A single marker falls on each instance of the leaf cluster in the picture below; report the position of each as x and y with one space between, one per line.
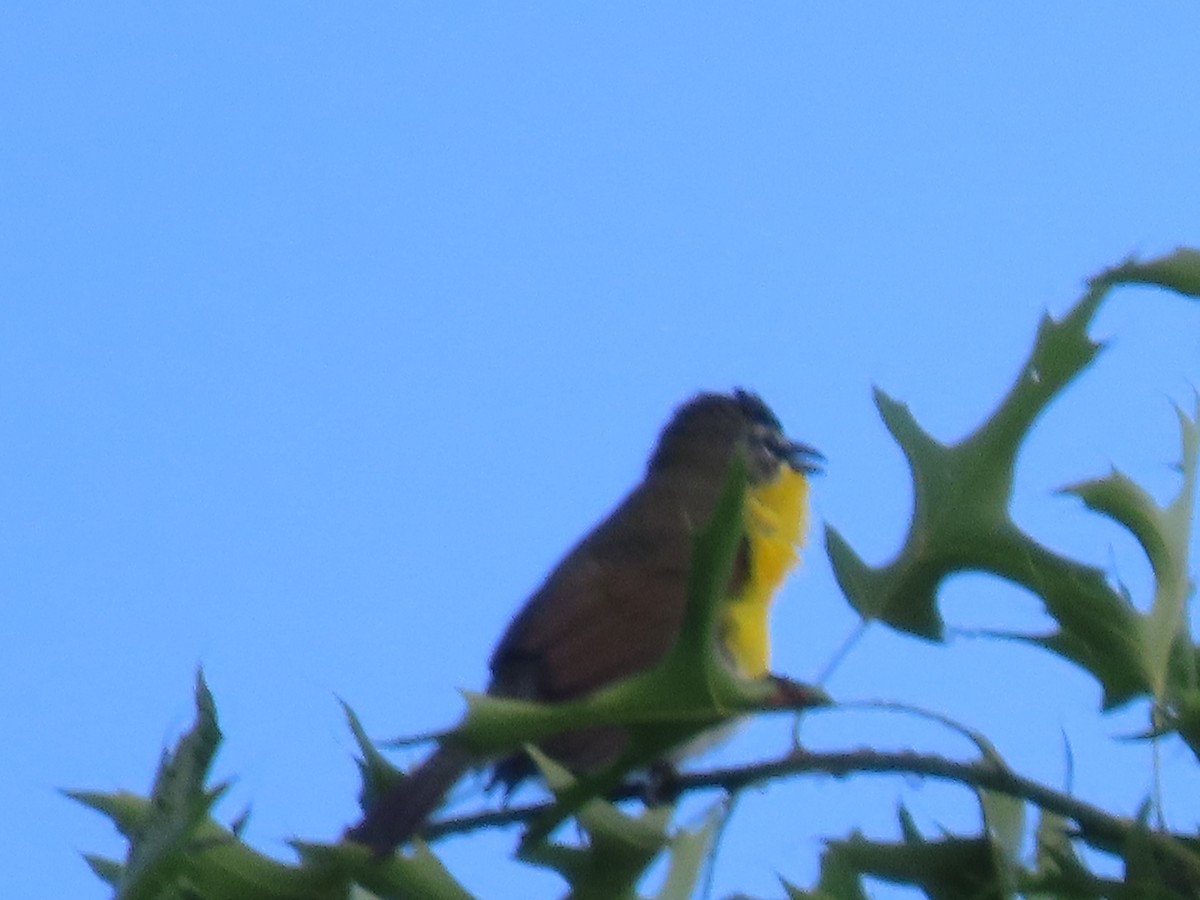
961 522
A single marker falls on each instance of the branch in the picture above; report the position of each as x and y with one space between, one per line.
1098 828
1095 825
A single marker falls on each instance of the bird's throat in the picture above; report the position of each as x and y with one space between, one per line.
776 519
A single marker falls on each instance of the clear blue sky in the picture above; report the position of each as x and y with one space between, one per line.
324 329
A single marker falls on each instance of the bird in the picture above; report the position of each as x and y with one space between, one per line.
613 606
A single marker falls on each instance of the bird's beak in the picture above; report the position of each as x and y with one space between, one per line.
803 458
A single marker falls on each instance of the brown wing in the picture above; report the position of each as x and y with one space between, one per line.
614 605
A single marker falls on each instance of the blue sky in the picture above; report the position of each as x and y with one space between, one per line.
326 329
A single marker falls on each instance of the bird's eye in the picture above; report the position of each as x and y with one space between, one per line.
765 442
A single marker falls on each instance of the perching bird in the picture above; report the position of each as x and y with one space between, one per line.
614 605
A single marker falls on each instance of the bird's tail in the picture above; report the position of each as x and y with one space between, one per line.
397 816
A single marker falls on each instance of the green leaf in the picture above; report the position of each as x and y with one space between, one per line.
1178 271
618 848
961 492
839 880
1158 867
417 873
108 870
689 851
1058 872
377 775
211 862
908 825
1185 718
947 869
178 852
1164 534
1004 821
162 836
1166 637
961 522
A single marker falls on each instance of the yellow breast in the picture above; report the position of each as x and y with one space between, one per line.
776 522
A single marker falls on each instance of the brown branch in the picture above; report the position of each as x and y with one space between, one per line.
1095 824
1098 828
